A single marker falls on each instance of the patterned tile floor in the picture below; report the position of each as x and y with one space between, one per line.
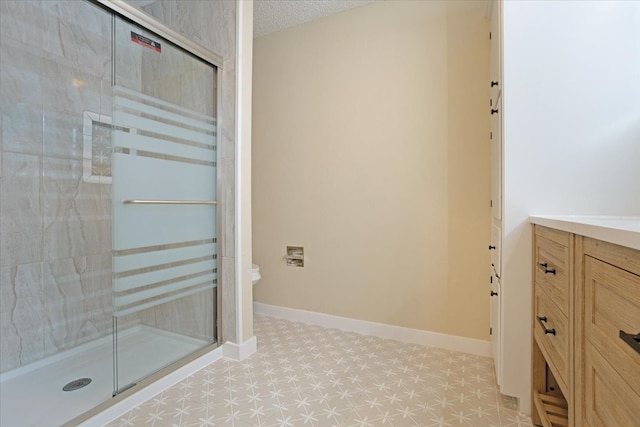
304 375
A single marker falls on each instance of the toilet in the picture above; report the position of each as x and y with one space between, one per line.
255 273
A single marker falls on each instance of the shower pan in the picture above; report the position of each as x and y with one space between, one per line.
108 202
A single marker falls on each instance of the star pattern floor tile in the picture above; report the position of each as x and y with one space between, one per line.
305 375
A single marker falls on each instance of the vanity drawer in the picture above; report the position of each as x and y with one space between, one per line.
551 332
612 308
552 264
608 399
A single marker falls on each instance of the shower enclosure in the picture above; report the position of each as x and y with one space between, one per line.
108 205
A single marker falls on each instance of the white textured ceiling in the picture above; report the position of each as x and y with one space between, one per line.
270 16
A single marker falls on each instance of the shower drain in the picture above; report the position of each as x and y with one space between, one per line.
76 384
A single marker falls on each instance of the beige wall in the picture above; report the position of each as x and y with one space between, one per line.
469 174
370 150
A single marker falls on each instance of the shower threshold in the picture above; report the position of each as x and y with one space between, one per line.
32 395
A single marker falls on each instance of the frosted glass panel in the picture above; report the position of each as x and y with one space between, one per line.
150 178
164 274
149 259
134 141
164 154
150 225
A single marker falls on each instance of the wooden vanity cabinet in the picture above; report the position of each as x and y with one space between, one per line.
586 327
608 317
552 346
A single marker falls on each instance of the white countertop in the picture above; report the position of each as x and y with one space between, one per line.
620 230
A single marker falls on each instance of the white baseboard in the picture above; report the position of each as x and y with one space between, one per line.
399 333
240 351
141 396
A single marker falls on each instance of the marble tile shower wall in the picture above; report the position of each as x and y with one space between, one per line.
175 76
55 251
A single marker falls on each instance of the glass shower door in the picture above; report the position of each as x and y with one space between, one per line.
164 157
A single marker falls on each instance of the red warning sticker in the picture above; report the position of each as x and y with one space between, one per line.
146 42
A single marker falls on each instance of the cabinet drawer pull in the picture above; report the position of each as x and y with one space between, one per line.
544 266
541 320
632 340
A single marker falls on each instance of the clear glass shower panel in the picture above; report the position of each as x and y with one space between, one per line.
164 203
55 210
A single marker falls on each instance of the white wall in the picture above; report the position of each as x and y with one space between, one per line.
370 150
244 69
571 135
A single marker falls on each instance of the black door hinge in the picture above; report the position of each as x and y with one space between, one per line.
490 279
489 35
490 203
490 331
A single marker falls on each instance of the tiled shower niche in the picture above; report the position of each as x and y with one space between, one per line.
96 148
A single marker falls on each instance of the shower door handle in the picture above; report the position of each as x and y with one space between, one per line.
168 202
